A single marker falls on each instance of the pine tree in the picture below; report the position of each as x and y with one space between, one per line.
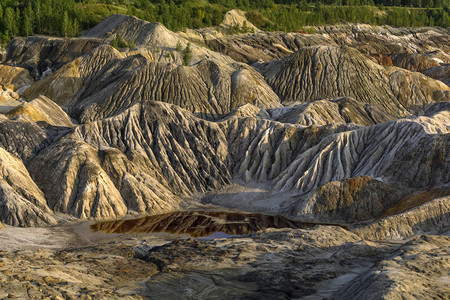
29 15
65 24
9 22
76 28
1 15
115 44
27 25
187 55
121 42
17 21
38 16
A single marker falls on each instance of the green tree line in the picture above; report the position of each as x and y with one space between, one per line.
68 17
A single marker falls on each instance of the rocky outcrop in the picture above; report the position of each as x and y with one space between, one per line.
14 77
208 89
145 158
354 200
413 61
104 83
21 138
218 129
300 77
334 111
389 40
74 182
430 216
101 183
364 199
132 28
315 73
22 203
441 73
39 54
41 110
415 90
31 126
411 45
138 161
235 18
400 137
163 43
187 154
263 46
315 165
8 100
416 270
64 84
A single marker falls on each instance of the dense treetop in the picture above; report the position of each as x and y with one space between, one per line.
69 17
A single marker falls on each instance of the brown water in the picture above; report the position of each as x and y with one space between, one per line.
200 223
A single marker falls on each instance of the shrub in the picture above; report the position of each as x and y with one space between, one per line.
187 54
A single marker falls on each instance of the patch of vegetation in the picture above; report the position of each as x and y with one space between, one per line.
178 48
119 43
241 29
187 54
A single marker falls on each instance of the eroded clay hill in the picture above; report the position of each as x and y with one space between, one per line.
105 82
319 128
320 72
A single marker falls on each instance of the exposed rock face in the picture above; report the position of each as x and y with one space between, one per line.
413 61
396 142
75 183
386 39
42 110
14 77
431 216
154 36
186 154
37 54
315 73
413 89
265 46
207 89
22 203
104 83
335 111
132 28
64 84
21 138
336 154
100 184
402 275
323 131
8 100
441 73
236 18
354 199
139 160
300 76
413 45
154 163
